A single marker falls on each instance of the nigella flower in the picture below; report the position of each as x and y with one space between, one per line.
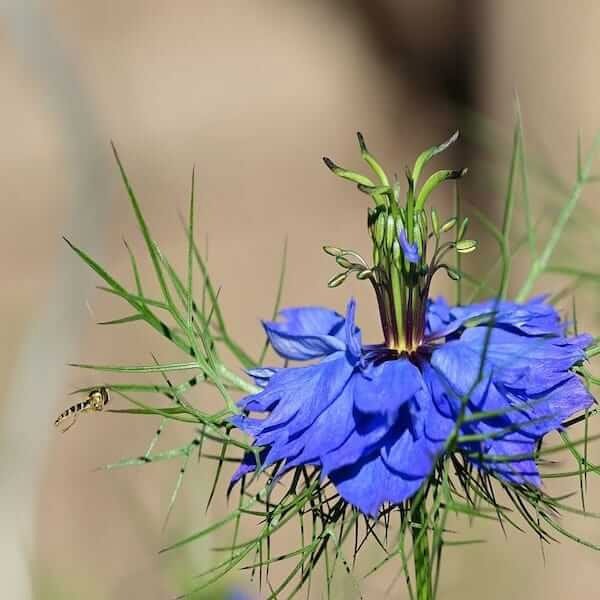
376 421
488 380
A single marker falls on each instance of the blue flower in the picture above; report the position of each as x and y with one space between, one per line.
376 421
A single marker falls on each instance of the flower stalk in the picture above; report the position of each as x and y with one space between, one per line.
421 555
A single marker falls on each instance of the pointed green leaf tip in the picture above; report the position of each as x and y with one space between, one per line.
330 164
434 180
458 173
345 174
428 154
379 232
375 189
361 142
371 160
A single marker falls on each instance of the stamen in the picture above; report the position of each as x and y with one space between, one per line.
401 274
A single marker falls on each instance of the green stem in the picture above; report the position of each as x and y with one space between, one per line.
421 556
458 215
237 381
541 262
410 213
398 302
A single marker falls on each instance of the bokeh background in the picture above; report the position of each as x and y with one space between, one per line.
252 93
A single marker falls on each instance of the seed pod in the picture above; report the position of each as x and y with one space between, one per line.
344 262
399 226
390 231
380 229
419 241
332 251
396 253
337 279
371 219
463 228
452 273
365 274
466 246
435 223
448 225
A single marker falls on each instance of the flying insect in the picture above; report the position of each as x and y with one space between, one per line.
97 399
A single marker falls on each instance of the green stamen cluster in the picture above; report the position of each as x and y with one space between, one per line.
401 274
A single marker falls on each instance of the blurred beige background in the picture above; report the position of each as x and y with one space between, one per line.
252 93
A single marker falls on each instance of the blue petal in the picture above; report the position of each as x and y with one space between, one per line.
411 251
368 483
248 465
460 364
247 424
353 337
521 470
442 396
512 416
560 403
525 377
582 341
262 375
434 419
507 351
306 333
295 384
329 431
238 594
533 318
305 392
534 364
410 457
437 315
385 388
364 439
415 451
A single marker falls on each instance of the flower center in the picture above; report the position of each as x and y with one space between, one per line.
407 246
400 277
